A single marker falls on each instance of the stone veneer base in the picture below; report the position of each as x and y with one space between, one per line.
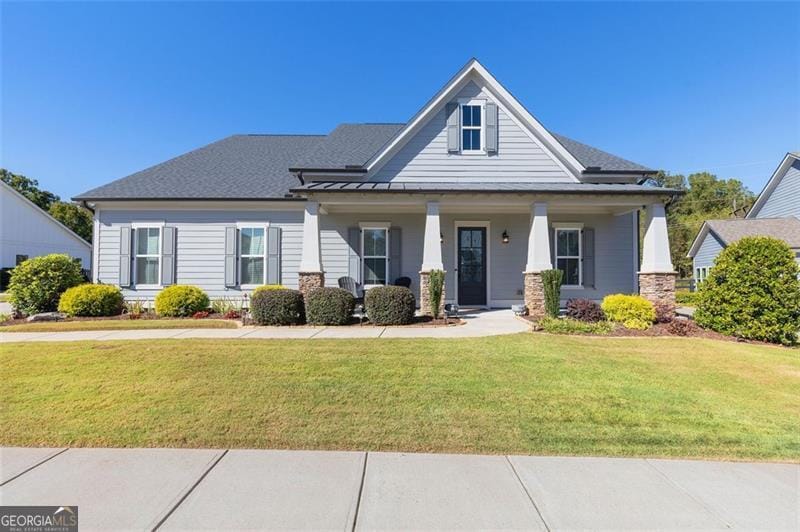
424 295
534 294
658 287
308 281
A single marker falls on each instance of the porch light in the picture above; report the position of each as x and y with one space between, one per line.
441 238
504 237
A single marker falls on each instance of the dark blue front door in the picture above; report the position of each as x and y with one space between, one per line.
471 266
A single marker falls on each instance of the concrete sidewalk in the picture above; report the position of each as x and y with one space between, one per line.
477 323
176 489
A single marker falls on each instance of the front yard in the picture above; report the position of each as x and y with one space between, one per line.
527 394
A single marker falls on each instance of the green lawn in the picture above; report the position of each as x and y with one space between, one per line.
102 325
526 393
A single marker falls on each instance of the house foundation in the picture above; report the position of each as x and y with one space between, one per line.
308 281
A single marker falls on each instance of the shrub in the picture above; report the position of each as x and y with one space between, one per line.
682 327
573 326
180 301
551 281
665 312
633 312
329 306
752 292
225 305
37 284
277 307
232 315
435 288
91 300
200 315
390 305
135 307
263 287
683 297
585 310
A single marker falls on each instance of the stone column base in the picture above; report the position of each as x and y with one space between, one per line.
424 295
534 295
658 287
308 281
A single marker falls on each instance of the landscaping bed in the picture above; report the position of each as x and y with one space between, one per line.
121 322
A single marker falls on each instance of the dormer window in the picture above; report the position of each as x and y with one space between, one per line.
472 127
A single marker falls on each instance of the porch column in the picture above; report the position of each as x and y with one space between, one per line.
538 260
431 255
657 274
310 275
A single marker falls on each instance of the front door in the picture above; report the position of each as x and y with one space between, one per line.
471 266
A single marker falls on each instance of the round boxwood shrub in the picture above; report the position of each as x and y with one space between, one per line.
91 300
329 306
633 312
180 301
752 292
390 305
277 307
258 289
584 310
37 284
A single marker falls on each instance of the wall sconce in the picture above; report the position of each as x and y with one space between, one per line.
441 238
504 237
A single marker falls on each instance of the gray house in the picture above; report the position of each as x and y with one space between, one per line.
775 213
472 184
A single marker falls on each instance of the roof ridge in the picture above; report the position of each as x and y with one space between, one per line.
277 135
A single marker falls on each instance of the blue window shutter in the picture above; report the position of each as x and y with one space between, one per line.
453 126
588 257
274 255
231 243
354 253
168 256
491 127
395 254
125 239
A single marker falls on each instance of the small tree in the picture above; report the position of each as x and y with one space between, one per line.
752 292
551 281
435 289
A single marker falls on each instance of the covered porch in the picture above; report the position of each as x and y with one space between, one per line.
491 245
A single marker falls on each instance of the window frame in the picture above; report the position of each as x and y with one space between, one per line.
569 227
239 263
374 226
135 277
481 128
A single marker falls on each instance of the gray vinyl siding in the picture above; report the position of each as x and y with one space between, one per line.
200 249
708 251
785 199
425 156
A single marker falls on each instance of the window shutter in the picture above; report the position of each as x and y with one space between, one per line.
553 248
453 123
125 240
395 254
231 241
354 253
491 127
168 255
588 257
274 255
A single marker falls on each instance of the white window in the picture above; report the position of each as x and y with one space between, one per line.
568 255
252 255
147 265
472 127
375 255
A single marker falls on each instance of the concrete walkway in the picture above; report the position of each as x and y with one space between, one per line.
175 489
478 323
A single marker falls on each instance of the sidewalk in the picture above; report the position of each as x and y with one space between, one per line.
478 323
175 489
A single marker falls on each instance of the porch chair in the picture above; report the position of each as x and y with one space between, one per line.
350 284
403 281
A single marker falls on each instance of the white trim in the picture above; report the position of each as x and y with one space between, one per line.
144 225
374 225
487 259
566 226
239 256
381 226
636 220
95 245
147 225
772 184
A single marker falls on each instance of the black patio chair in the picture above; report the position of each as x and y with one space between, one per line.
350 284
403 281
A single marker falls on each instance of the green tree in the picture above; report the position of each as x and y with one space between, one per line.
29 188
76 218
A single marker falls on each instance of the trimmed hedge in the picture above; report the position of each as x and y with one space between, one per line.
277 307
180 301
91 300
329 306
585 310
263 287
37 284
633 312
390 305
573 326
752 292
683 297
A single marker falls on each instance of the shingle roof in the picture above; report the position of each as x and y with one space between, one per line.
236 167
593 157
349 145
786 229
492 187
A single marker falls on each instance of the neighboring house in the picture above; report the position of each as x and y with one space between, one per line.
26 231
472 184
775 213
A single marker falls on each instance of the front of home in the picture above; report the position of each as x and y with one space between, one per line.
473 185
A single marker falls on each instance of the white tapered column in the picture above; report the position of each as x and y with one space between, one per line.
432 251
311 275
657 275
538 240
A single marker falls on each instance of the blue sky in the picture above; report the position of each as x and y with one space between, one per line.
95 91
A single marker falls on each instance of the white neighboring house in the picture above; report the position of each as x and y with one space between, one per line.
27 231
